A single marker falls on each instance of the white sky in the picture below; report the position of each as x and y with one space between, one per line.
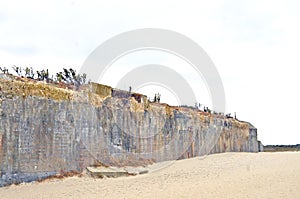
254 45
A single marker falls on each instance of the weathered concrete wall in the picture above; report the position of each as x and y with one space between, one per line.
46 130
260 147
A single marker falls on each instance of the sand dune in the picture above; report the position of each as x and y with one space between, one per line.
229 175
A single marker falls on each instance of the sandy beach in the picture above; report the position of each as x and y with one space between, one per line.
229 175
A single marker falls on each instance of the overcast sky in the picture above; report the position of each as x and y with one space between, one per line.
254 45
